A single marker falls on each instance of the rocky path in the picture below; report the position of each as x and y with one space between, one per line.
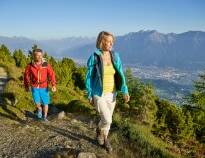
57 138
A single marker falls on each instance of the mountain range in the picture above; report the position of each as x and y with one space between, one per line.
185 50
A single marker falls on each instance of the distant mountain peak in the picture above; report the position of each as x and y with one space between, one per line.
149 35
143 32
147 47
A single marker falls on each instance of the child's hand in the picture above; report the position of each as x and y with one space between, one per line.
91 101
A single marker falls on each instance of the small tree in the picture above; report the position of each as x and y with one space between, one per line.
64 73
19 58
5 55
196 106
45 56
172 123
142 99
79 77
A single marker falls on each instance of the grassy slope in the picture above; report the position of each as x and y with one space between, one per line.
141 141
129 140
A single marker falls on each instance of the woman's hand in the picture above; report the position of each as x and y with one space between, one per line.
126 98
91 101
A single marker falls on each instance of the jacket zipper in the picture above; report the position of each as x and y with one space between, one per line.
38 77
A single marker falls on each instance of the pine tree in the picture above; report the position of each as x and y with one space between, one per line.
142 99
20 58
5 55
172 123
196 106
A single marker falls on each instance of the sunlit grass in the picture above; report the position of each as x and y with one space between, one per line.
144 140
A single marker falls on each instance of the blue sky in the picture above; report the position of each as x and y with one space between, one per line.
46 19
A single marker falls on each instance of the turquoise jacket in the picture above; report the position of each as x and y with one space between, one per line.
94 75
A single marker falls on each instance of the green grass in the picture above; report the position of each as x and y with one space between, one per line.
145 142
15 99
70 100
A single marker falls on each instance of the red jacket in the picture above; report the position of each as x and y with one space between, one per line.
39 75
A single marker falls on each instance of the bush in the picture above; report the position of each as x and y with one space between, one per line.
171 123
142 100
146 144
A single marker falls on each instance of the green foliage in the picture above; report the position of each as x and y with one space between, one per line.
145 142
79 107
15 100
20 58
171 123
52 61
142 100
45 56
5 55
64 71
196 106
67 73
79 77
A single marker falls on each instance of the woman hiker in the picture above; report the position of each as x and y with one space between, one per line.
103 79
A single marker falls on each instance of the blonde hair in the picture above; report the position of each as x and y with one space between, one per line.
101 36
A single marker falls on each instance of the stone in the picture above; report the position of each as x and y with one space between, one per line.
86 155
61 115
91 124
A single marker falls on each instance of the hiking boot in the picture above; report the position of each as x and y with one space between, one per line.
108 146
100 136
45 119
39 114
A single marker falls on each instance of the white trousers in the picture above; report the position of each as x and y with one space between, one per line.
105 106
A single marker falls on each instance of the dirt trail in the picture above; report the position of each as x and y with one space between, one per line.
39 139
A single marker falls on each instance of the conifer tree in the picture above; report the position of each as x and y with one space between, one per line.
5 55
196 106
19 58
